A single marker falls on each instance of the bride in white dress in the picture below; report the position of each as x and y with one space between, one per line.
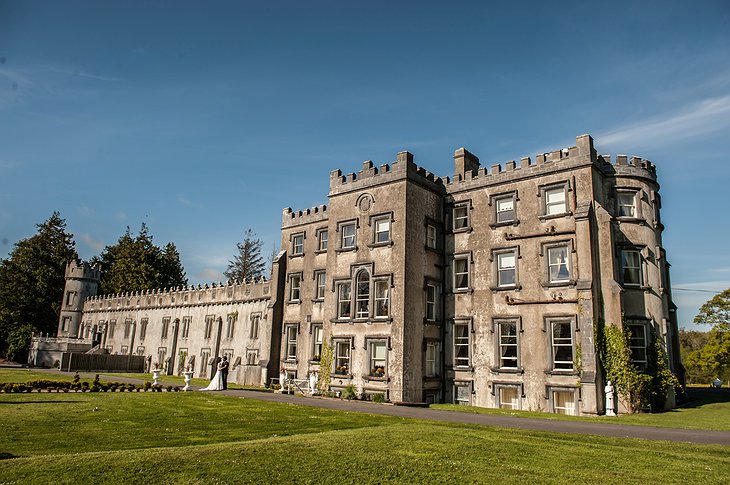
216 384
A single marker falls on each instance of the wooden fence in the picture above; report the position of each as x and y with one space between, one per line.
72 361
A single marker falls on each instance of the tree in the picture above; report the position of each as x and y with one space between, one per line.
31 286
716 312
248 263
136 264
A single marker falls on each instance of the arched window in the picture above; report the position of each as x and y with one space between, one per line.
362 296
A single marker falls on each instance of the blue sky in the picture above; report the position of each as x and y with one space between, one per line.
203 119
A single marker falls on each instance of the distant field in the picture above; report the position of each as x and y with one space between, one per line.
204 438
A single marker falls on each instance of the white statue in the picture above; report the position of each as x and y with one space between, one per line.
610 404
282 378
717 383
313 377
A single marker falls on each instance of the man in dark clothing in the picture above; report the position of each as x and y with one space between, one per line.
224 372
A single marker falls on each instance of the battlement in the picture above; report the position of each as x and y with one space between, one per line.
629 166
220 293
82 270
403 167
294 218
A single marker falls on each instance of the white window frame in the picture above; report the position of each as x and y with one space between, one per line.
551 263
636 266
320 284
431 295
460 341
639 344
362 297
343 357
344 298
317 341
557 343
297 244
627 199
431 236
461 217
374 360
514 404
497 201
322 240
432 359
290 341
381 300
295 287
507 341
568 409
503 270
457 272
380 235
553 208
348 241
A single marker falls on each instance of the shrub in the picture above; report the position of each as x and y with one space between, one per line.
349 392
379 398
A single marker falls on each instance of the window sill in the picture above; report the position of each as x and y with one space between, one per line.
431 322
506 288
317 300
570 283
558 372
434 378
321 251
298 255
380 244
462 368
341 321
636 287
514 223
507 370
376 378
555 216
294 302
462 291
313 362
634 220
290 361
462 229
341 376
344 250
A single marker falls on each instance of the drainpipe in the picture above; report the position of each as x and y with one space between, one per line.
173 356
214 365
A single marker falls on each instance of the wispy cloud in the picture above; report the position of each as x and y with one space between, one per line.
706 116
85 75
86 211
91 242
187 202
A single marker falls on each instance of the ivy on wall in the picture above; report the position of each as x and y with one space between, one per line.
325 367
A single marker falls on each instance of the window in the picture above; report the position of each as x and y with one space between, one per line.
461 216
381 228
432 359
554 200
506 268
431 315
291 342
461 344
378 358
322 237
320 279
431 236
143 328
631 267
295 284
342 357
504 209
127 328
461 272
563 401
343 299
462 393
209 319
362 295
165 326
626 202
382 298
508 344
161 354
140 350
112 324
204 358
186 326
70 298
637 344
254 331
65 323
297 244
561 341
508 397
230 326
347 234
317 333
124 350
252 357
558 264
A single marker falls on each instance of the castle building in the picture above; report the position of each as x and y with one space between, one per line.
482 288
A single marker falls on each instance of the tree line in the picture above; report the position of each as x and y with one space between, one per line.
706 355
32 277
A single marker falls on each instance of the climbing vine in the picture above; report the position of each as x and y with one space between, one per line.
638 389
325 367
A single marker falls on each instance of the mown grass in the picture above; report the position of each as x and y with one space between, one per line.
707 409
202 438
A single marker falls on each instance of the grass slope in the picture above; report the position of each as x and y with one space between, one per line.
201 438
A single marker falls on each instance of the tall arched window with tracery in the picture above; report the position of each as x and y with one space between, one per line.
362 296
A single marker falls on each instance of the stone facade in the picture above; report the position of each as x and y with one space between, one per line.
482 288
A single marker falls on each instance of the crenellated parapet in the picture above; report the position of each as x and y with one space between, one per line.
209 294
402 168
469 174
628 167
82 270
294 218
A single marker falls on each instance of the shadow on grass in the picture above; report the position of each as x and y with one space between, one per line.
7 456
38 402
699 396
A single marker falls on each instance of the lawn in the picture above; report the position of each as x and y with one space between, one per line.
195 437
707 409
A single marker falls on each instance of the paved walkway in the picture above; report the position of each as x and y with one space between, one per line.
576 427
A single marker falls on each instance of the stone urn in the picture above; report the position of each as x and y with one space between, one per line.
155 376
188 375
